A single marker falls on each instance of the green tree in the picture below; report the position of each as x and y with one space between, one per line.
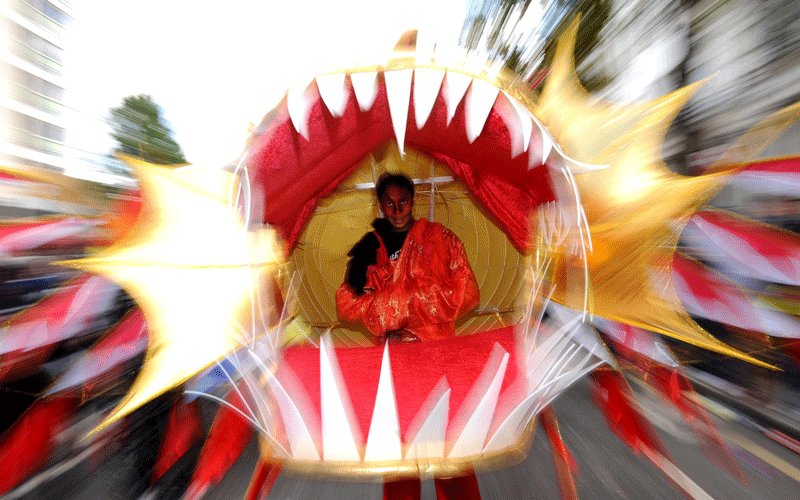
140 130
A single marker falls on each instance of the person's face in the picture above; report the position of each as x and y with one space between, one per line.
396 205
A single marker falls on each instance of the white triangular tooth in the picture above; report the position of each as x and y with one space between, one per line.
427 83
398 92
430 438
524 120
508 433
301 444
299 102
546 141
338 429
453 90
365 87
334 92
547 144
509 117
473 435
533 157
480 99
383 442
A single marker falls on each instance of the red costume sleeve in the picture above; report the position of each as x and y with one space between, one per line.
381 310
429 287
444 287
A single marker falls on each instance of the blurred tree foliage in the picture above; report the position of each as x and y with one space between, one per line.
594 15
140 130
529 54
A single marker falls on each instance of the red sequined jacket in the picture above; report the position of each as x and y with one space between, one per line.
424 291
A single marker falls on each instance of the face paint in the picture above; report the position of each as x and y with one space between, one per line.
397 204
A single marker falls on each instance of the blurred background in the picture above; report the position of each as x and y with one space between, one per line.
82 79
177 82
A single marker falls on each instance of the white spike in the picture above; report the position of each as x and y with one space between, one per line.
300 442
430 438
338 429
553 366
334 92
473 435
453 90
511 429
533 159
427 83
480 100
583 334
545 385
365 87
547 141
383 442
568 371
509 117
398 92
578 167
524 122
539 361
299 102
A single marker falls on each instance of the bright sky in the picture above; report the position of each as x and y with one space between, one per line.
214 69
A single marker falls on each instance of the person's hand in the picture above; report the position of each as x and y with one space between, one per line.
401 337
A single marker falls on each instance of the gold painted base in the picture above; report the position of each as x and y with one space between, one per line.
425 468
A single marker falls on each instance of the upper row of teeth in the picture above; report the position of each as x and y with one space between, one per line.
480 95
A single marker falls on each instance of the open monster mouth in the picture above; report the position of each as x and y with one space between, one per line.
440 407
431 408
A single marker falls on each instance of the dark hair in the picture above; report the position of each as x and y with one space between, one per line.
397 180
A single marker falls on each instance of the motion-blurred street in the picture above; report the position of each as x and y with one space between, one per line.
608 469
